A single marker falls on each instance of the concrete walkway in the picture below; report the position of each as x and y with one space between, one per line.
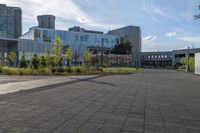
10 84
152 101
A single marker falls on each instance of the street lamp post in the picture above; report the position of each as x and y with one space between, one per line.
102 44
188 57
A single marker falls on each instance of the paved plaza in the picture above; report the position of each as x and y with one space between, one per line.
150 101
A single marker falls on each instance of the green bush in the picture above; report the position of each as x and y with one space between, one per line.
53 70
1 69
79 70
60 70
69 70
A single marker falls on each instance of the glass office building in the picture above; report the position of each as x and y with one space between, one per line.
37 40
10 22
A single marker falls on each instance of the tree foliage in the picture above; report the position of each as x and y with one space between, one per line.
122 48
68 55
47 58
57 51
188 62
35 61
87 57
42 62
12 56
23 62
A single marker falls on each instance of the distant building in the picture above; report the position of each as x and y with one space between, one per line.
156 59
79 29
10 22
166 58
40 38
132 34
46 21
10 30
37 40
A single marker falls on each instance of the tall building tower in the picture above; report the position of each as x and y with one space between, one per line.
46 21
133 35
10 21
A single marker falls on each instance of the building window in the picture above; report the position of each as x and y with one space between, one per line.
37 33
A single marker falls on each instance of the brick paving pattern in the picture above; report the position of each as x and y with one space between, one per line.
153 101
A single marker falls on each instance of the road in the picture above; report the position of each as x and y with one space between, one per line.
151 101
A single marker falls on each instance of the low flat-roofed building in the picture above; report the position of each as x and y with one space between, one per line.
178 54
157 59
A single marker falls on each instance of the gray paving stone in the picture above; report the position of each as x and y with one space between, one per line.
152 101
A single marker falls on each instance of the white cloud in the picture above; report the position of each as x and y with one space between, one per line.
149 41
67 10
170 34
192 39
149 38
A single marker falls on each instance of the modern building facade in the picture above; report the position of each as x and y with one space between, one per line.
46 21
10 30
10 22
41 38
37 40
156 59
178 54
167 58
133 35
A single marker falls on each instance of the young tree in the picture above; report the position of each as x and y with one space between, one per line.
35 61
122 48
12 57
57 51
87 57
23 63
68 55
47 58
43 62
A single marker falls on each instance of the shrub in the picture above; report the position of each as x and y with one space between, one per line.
79 70
44 71
35 61
53 70
10 71
69 70
59 70
1 69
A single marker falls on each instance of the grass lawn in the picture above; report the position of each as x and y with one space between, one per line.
121 69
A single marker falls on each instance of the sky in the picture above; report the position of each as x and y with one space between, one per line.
165 24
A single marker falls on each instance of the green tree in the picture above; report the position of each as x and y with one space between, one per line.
35 61
57 51
68 55
197 16
87 57
23 63
122 48
47 58
188 63
12 57
43 62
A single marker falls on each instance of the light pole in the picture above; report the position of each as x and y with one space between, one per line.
102 44
188 57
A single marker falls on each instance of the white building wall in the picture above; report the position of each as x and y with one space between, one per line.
197 63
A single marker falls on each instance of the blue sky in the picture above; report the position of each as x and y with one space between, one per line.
165 24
